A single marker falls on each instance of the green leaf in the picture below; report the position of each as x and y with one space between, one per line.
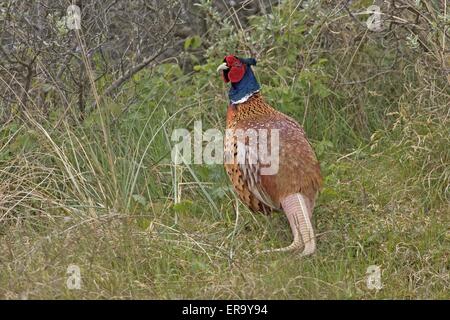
183 206
320 90
192 42
143 223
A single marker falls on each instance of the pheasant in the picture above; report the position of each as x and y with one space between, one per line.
293 188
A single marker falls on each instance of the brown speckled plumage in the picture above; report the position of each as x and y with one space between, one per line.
299 169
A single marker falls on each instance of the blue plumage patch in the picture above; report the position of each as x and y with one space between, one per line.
247 86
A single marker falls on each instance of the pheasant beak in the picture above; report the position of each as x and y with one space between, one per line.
222 67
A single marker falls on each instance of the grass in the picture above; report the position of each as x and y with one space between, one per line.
103 194
62 208
200 256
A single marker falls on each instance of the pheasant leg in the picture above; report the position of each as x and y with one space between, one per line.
298 214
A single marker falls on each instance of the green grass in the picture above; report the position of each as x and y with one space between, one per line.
104 195
61 207
197 255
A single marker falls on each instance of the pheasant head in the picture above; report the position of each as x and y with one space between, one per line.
239 73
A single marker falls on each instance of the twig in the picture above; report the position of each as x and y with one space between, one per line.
130 72
133 70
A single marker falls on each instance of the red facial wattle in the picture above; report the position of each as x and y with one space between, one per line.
236 70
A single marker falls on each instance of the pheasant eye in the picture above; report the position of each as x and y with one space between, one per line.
225 75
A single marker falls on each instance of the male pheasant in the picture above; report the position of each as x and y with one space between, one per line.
293 188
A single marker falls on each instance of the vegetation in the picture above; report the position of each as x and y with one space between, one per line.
96 187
